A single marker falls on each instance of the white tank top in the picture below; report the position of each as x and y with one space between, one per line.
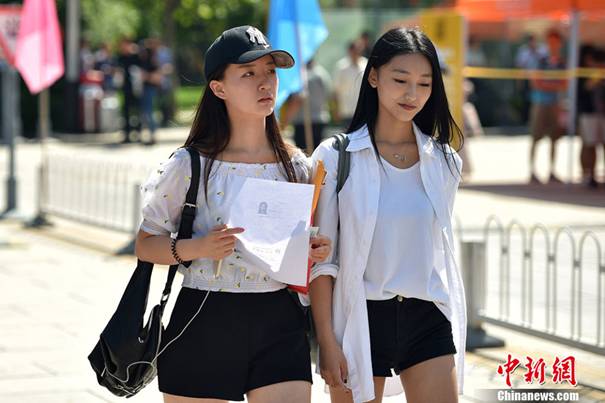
401 256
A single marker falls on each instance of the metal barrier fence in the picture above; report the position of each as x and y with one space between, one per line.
107 194
559 298
92 191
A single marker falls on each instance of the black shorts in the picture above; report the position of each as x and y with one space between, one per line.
405 333
237 343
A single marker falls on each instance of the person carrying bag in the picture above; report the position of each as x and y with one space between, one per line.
124 359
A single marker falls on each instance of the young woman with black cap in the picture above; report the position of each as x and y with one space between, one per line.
249 336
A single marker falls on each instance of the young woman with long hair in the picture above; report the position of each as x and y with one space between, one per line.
249 336
390 296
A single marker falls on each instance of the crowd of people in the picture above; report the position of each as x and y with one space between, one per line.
142 72
546 116
544 107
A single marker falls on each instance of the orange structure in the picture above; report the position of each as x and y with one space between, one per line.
499 10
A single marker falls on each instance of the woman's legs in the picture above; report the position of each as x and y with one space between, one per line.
291 392
181 399
419 381
378 389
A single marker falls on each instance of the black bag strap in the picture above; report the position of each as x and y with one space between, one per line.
341 142
187 217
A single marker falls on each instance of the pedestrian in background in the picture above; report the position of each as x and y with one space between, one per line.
105 63
527 57
347 81
152 79
166 99
545 110
591 119
86 56
318 84
129 81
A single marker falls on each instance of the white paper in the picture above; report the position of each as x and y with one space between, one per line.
276 217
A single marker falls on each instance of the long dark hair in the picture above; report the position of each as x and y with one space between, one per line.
435 119
211 132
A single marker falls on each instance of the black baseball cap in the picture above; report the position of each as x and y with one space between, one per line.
241 45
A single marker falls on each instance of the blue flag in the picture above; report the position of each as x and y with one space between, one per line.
285 16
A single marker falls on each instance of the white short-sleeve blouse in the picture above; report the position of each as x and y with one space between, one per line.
163 198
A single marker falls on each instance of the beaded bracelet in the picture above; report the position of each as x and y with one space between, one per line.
173 250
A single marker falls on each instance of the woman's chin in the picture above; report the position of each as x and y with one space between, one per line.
265 111
404 117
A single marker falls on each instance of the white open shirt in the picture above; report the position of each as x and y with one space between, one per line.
356 208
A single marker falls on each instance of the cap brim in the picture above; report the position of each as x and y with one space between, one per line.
281 58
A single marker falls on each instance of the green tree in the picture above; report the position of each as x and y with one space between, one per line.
198 22
109 20
186 26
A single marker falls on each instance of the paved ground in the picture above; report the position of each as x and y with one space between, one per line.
59 285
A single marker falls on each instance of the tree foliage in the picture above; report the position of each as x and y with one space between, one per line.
196 22
109 20
186 26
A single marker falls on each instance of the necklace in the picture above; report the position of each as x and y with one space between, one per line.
399 157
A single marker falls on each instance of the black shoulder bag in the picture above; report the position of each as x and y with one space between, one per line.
124 359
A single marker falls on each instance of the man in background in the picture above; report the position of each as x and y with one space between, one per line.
129 63
527 58
544 114
347 83
318 84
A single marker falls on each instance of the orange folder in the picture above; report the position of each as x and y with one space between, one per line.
318 180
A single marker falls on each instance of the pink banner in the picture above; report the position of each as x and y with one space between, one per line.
39 53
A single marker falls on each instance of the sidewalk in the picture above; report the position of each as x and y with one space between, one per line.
61 284
57 297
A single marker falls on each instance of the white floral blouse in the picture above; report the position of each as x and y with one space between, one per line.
163 198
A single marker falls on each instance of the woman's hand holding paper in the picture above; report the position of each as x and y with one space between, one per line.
219 243
321 246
